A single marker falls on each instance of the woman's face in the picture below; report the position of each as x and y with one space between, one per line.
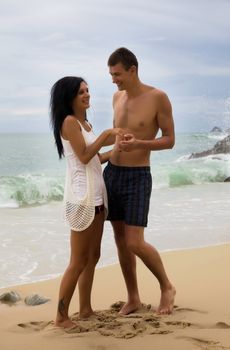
81 101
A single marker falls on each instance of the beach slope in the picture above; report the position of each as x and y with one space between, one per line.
201 317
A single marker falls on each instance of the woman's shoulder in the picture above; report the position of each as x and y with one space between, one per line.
71 121
69 125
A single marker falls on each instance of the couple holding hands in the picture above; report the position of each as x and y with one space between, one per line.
121 193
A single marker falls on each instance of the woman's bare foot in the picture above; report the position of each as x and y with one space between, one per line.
130 307
85 314
67 323
167 301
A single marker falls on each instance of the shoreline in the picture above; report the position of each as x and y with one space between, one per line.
162 252
200 320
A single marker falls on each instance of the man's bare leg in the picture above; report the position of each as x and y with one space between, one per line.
128 266
149 255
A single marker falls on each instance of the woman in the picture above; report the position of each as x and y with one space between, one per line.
85 200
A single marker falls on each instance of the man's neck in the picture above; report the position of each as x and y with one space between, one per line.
135 89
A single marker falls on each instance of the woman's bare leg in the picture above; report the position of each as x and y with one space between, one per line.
79 243
85 281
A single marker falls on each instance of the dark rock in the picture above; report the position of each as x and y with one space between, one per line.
222 146
10 297
35 299
227 179
216 129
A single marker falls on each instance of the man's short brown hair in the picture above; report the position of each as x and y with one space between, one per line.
123 56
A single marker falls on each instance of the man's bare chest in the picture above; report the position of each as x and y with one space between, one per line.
134 116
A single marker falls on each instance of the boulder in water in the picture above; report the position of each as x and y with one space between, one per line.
222 146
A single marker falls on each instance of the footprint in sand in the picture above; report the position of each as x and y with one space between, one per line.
206 344
35 326
182 309
120 334
125 330
222 325
218 325
76 329
178 324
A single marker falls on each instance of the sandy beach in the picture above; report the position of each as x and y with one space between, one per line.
200 320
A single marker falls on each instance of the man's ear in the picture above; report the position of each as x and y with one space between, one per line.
133 69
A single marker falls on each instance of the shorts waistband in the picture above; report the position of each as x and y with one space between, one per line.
119 168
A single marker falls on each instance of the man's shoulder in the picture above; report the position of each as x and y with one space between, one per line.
155 91
117 95
157 97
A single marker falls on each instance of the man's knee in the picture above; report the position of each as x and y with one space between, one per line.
119 231
133 246
134 238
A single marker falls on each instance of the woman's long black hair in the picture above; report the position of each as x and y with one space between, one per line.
62 94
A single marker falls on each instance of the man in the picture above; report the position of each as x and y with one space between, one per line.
141 110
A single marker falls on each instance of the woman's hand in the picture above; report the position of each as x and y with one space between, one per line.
112 134
118 132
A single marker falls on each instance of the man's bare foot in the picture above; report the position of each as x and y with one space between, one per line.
129 307
67 323
167 301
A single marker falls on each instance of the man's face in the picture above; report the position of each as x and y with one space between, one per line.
120 76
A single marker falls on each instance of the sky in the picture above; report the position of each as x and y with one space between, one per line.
183 48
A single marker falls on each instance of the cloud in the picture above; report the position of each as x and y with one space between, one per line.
177 43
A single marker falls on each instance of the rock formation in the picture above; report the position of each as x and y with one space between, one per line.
222 146
216 129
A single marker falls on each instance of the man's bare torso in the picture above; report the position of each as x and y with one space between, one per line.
137 116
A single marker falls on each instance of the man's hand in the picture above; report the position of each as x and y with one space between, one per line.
128 143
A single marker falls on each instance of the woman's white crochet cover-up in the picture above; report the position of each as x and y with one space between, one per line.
79 211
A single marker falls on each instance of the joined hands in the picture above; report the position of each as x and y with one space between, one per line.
127 143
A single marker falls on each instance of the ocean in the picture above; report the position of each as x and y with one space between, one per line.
189 205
